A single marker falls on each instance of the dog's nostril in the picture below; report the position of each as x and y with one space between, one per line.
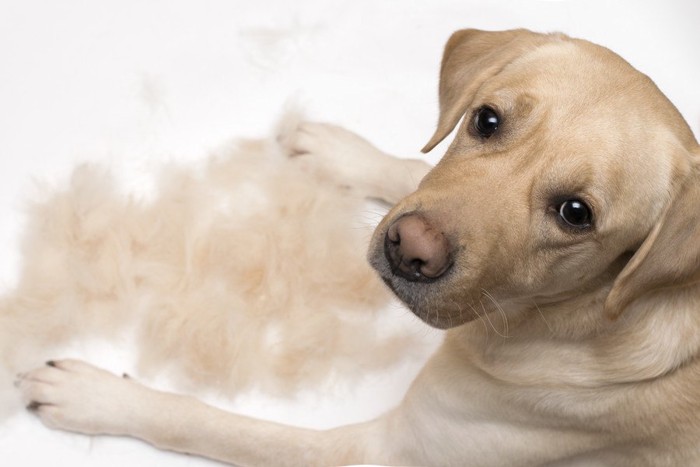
416 268
416 250
394 236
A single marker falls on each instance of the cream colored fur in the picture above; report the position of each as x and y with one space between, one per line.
247 272
594 358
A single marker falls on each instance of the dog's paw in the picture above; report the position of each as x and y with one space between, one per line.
335 154
75 396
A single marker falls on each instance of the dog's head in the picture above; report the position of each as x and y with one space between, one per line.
570 172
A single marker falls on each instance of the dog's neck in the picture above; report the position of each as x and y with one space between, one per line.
650 340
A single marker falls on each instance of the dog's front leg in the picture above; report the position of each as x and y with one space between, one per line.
350 160
75 396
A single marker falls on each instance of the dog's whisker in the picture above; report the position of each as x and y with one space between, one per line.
461 314
486 315
501 312
436 310
481 318
542 316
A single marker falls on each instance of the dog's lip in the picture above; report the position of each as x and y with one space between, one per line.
433 319
416 295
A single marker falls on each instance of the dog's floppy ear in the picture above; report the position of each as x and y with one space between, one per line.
470 58
670 255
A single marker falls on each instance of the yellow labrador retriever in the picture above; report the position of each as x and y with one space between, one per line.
559 241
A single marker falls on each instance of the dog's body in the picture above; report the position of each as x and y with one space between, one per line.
562 216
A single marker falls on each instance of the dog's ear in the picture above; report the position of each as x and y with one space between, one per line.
470 58
670 255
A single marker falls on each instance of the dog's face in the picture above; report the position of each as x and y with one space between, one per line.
565 160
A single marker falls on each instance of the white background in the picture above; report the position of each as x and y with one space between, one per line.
132 83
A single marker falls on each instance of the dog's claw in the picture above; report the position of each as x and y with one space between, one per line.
33 406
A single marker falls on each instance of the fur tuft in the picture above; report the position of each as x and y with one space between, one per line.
248 273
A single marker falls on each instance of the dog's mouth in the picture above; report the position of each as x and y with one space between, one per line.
434 307
417 303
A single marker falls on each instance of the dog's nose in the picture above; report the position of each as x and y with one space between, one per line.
416 250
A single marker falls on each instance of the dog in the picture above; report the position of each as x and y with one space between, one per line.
558 242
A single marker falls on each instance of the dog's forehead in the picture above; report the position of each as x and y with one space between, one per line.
579 95
570 73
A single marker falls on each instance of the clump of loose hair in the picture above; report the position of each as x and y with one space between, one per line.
249 272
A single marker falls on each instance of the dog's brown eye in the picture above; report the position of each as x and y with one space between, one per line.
486 121
575 213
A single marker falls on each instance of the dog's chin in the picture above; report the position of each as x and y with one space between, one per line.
426 301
